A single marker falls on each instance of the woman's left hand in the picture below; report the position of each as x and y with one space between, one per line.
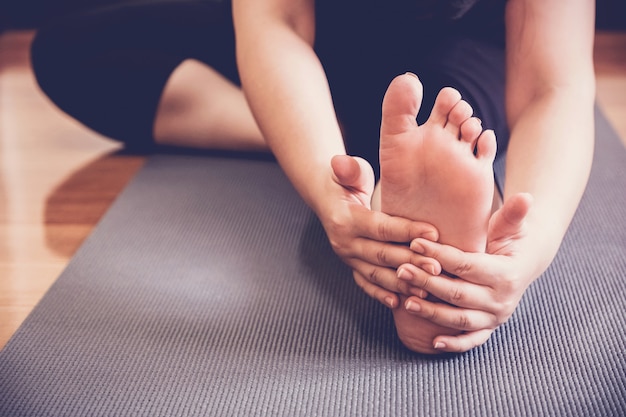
491 284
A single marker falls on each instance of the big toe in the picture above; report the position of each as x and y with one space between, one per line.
401 104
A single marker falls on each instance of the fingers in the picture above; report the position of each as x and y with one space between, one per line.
354 174
507 224
478 268
486 302
393 255
386 298
454 291
369 236
384 278
384 228
450 316
347 170
516 208
360 221
368 241
462 342
376 262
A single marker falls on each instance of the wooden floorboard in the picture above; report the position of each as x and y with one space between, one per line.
57 178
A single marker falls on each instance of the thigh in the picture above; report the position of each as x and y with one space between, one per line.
108 67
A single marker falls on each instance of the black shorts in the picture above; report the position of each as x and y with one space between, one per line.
108 67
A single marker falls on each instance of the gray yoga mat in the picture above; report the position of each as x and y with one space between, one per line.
209 289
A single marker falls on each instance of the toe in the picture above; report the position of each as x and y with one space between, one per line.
461 112
447 98
401 104
486 146
471 130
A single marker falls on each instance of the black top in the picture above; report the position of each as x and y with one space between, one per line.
445 10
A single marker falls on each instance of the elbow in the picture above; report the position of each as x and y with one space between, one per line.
578 91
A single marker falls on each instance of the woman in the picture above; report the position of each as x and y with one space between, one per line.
166 74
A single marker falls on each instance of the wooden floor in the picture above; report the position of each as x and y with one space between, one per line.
57 178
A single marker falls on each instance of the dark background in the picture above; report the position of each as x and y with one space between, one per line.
31 14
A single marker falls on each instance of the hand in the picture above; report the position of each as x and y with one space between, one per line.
372 243
491 284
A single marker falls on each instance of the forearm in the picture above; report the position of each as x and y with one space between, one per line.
286 87
549 156
550 94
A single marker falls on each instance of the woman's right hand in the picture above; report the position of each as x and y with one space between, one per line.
372 243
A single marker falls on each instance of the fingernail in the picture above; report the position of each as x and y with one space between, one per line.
404 274
430 235
413 306
389 301
430 268
411 74
417 247
440 345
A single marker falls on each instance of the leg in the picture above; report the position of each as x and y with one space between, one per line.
200 108
439 172
109 67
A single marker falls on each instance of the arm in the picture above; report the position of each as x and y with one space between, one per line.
288 93
550 96
287 90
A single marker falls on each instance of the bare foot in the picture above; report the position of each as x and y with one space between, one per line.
431 172
441 173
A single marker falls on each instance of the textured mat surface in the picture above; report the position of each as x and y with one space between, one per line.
209 290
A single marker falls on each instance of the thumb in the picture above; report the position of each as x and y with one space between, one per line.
507 222
353 173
